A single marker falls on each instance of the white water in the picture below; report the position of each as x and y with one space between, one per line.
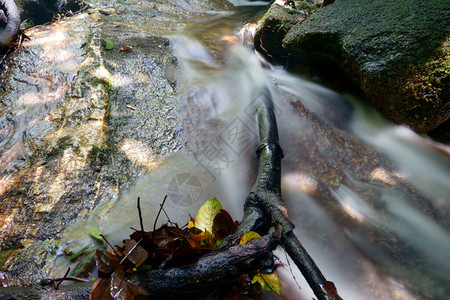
381 231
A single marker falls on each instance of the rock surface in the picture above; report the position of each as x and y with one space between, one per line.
274 26
79 123
396 52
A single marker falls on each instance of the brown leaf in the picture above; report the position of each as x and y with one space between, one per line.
329 290
105 264
135 253
191 223
100 290
125 48
223 224
4 281
122 289
119 289
204 240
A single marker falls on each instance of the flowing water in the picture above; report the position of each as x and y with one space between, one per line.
370 200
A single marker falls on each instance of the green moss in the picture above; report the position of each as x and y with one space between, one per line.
99 157
4 254
58 148
392 50
107 44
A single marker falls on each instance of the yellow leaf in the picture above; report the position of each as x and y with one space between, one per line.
248 236
206 213
191 223
268 282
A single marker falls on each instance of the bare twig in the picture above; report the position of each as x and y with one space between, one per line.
141 221
129 252
156 220
104 238
62 279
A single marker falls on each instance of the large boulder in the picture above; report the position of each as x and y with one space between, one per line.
396 52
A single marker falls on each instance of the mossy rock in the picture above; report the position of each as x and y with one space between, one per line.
396 52
276 23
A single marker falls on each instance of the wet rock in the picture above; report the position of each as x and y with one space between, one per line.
397 53
274 26
41 11
79 124
9 23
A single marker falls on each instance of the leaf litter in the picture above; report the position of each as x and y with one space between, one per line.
170 246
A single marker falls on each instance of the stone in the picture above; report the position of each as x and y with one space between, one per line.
276 23
396 52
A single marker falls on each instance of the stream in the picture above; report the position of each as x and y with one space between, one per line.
370 200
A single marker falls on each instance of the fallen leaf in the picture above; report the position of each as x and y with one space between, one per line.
206 214
191 223
204 240
119 289
100 290
223 224
268 282
248 236
4 281
135 253
105 264
125 48
107 43
122 289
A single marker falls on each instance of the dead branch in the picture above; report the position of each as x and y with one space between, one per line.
209 272
264 203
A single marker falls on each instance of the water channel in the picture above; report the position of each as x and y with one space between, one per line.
370 200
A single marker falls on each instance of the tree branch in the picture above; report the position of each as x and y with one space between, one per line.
205 275
265 201
209 272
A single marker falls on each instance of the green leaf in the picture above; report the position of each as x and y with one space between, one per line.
107 43
81 251
269 282
248 236
205 216
145 267
94 232
81 264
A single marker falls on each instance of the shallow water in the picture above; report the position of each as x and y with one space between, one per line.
26 117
